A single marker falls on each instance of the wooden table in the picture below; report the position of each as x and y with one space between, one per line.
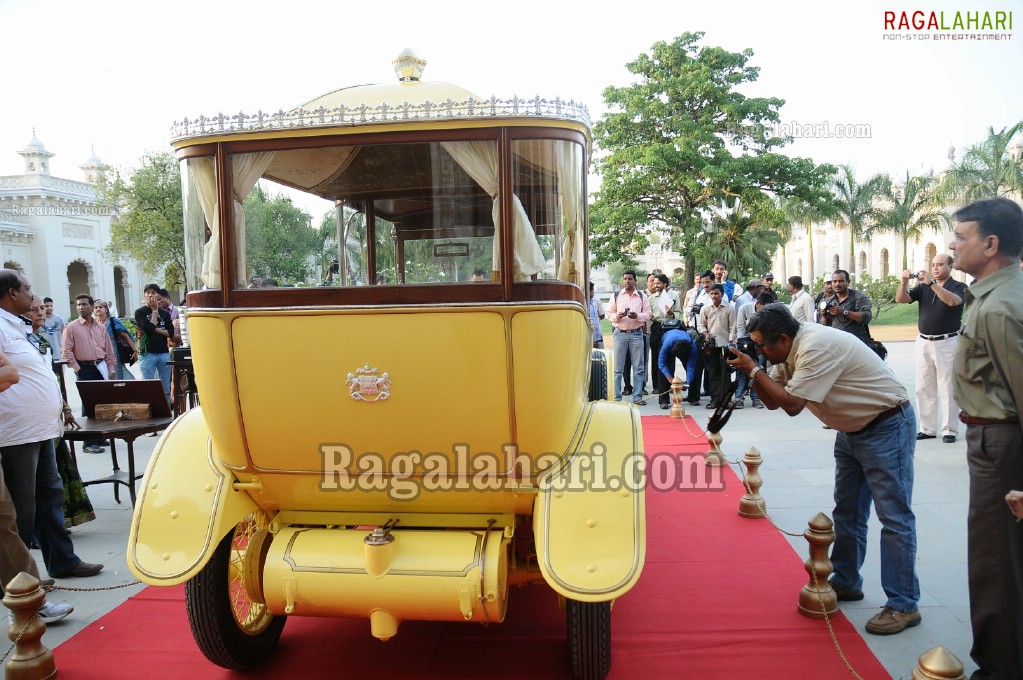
129 431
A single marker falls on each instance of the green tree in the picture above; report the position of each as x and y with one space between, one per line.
852 203
986 169
880 290
799 213
679 140
908 210
279 240
147 225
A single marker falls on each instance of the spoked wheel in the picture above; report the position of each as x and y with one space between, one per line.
231 629
589 638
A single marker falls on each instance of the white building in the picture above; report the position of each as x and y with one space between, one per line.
54 232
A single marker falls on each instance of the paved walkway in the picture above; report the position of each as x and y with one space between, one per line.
798 474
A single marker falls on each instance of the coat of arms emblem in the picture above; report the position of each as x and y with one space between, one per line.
368 384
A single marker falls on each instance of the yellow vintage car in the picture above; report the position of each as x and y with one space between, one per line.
420 422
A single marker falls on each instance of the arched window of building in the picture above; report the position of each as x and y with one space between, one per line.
884 262
799 267
929 252
834 263
861 263
77 281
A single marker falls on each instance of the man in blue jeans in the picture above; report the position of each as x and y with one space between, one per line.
846 385
155 325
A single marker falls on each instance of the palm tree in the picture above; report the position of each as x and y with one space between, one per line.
908 210
738 238
852 203
986 169
797 212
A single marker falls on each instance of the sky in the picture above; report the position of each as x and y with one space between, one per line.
112 75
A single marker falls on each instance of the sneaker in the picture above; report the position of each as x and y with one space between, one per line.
949 439
758 404
846 594
891 621
739 403
93 449
639 402
51 612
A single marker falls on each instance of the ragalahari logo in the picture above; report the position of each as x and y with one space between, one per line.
947 25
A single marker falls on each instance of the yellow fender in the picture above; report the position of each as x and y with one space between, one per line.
590 517
185 506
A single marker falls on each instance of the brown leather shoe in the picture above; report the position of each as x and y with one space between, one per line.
81 570
891 621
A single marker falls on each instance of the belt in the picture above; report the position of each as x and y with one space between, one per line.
634 330
973 420
91 362
883 415
946 336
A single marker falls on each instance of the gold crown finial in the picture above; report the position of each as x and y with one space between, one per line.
408 65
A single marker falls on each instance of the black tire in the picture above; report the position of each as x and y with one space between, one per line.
589 638
230 629
598 376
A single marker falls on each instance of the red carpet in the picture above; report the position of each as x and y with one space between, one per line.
717 599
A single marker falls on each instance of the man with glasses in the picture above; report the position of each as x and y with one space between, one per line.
940 299
988 382
842 382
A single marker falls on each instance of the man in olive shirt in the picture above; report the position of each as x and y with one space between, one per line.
987 241
842 382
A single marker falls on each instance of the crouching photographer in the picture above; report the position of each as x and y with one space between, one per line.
717 326
847 386
678 344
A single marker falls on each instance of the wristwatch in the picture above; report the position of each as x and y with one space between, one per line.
845 312
753 372
933 281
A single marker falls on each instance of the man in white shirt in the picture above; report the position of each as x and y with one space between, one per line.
30 419
802 306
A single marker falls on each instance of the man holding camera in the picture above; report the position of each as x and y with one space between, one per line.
849 309
629 311
842 382
717 326
940 298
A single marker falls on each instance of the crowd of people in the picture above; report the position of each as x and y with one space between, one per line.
817 353
41 494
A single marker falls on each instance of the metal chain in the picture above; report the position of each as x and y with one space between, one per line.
96 589
813 570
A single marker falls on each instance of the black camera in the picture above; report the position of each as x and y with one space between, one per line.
709 345
697 308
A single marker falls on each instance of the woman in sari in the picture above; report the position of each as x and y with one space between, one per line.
119 336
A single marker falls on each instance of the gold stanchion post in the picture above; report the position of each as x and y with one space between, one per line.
752 504
938 663
714 456
31 659
817 598
677 410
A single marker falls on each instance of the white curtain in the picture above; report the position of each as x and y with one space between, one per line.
570 189
246 169
203 174
479 160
